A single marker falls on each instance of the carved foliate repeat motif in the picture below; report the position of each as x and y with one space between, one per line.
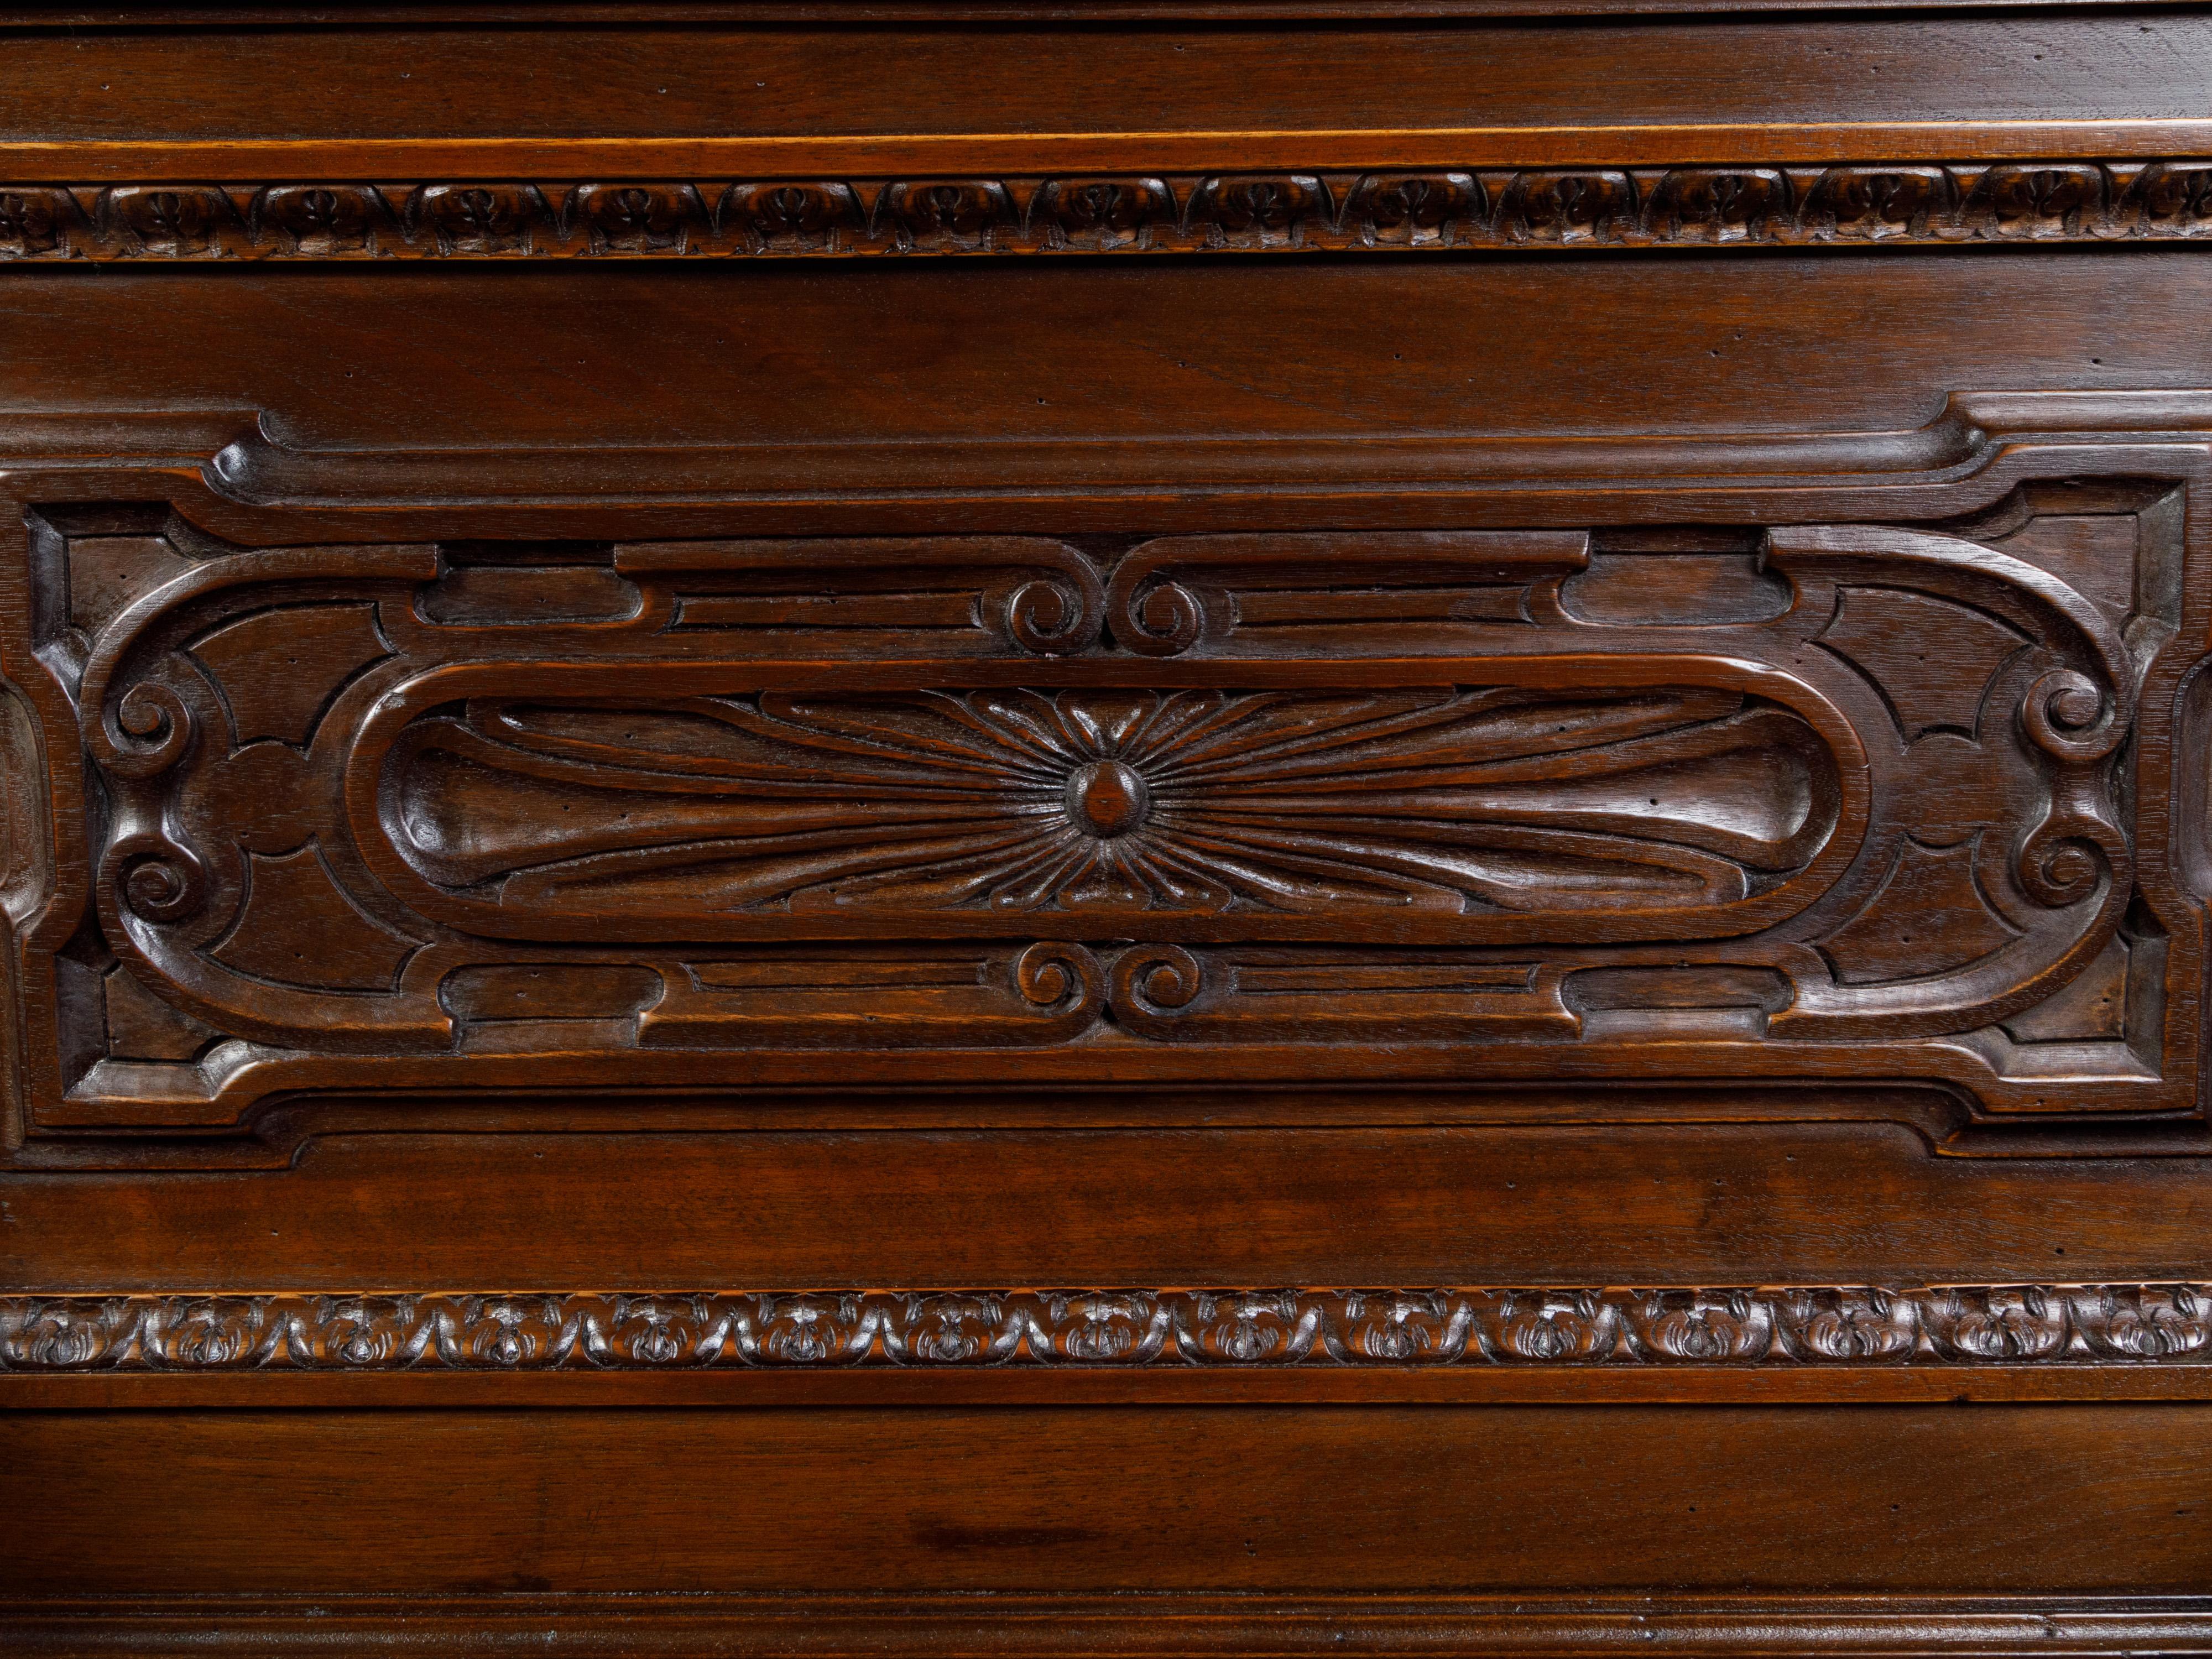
1749 1326
1845 801
1254 212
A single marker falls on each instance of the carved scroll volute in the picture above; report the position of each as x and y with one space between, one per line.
145 704
154 722
2068 870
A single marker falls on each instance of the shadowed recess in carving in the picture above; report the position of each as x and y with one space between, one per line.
1674 590
141 1026
1442 800
281 668
340 948
25 847
1929 916
1931 660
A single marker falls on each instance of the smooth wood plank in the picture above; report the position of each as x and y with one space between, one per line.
1400 1206
690 82
2050 1500
604 356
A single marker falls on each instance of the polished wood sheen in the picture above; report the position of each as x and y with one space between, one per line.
1153 826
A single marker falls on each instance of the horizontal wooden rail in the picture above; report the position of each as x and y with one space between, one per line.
157 161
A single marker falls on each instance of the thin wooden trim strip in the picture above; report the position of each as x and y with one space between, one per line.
1718 143
1138 1624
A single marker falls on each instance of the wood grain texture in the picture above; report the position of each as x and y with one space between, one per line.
724 937
1250 807
966 418
1246 1499
1070 1187
146 88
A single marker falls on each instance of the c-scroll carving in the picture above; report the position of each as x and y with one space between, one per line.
2074 711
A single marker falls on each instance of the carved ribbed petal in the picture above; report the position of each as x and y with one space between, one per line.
1447 800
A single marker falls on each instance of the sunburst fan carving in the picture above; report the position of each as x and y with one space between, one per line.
1456 800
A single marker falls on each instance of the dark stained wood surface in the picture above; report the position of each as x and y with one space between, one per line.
686 81
1121 828
1380 1206
1320 1502
989 356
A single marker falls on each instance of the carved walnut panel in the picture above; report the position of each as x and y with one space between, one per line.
1845 801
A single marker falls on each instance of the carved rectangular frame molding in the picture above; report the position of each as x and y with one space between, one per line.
1091 911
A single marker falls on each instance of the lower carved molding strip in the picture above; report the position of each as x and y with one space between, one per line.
1138 212
1774 1326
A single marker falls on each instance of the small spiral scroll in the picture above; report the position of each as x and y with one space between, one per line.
161 879
147 731
2064 858
2059 869
1052 618
1157 979
1061 978
2069 717
1161 619
2066 715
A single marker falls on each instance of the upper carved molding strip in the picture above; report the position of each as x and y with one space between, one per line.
1441 207
1789 1327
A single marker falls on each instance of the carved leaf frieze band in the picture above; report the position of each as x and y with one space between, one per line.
1757 1327
1707 207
